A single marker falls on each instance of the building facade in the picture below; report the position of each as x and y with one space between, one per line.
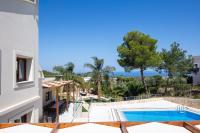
196 73
20 85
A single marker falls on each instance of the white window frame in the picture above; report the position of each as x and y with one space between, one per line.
31 74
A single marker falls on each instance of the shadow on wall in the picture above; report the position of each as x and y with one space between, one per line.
18 7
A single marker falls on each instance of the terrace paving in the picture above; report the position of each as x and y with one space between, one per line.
104 112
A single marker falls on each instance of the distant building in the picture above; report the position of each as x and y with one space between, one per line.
196 73
20 85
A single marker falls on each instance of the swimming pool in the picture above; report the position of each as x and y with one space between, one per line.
160 116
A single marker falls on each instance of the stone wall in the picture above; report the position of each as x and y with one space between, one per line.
195 103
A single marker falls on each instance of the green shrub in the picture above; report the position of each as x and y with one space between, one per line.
153 90
135 88
181 89
196 97
119 90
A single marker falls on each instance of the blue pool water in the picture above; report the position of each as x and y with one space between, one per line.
159 116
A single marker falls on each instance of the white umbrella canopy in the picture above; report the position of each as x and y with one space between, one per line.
111 127
198 126
90 128
26 128
155 127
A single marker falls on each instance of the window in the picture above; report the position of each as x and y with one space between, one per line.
24 118
21 69
24 69
195 65
48 96
17 121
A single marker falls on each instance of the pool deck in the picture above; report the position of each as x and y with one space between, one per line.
101 112
105 112
103 118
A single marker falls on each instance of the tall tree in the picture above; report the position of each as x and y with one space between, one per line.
98 72
138 51
175 61
67 72
108 73
70 67
59 69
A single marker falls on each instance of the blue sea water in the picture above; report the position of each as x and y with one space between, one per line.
136 73
160 116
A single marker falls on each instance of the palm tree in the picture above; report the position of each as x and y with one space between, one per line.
109 70
70 67
98 72
67 71
60 70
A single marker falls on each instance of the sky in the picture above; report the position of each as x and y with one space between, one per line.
76 30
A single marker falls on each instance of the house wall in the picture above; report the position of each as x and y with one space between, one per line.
196 76
18 36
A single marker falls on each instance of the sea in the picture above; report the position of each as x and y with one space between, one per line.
136 73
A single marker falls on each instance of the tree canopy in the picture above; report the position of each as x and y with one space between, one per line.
99 72
70 67
175 61
138 51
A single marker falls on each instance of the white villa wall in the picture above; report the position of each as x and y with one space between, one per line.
18 36
196 76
